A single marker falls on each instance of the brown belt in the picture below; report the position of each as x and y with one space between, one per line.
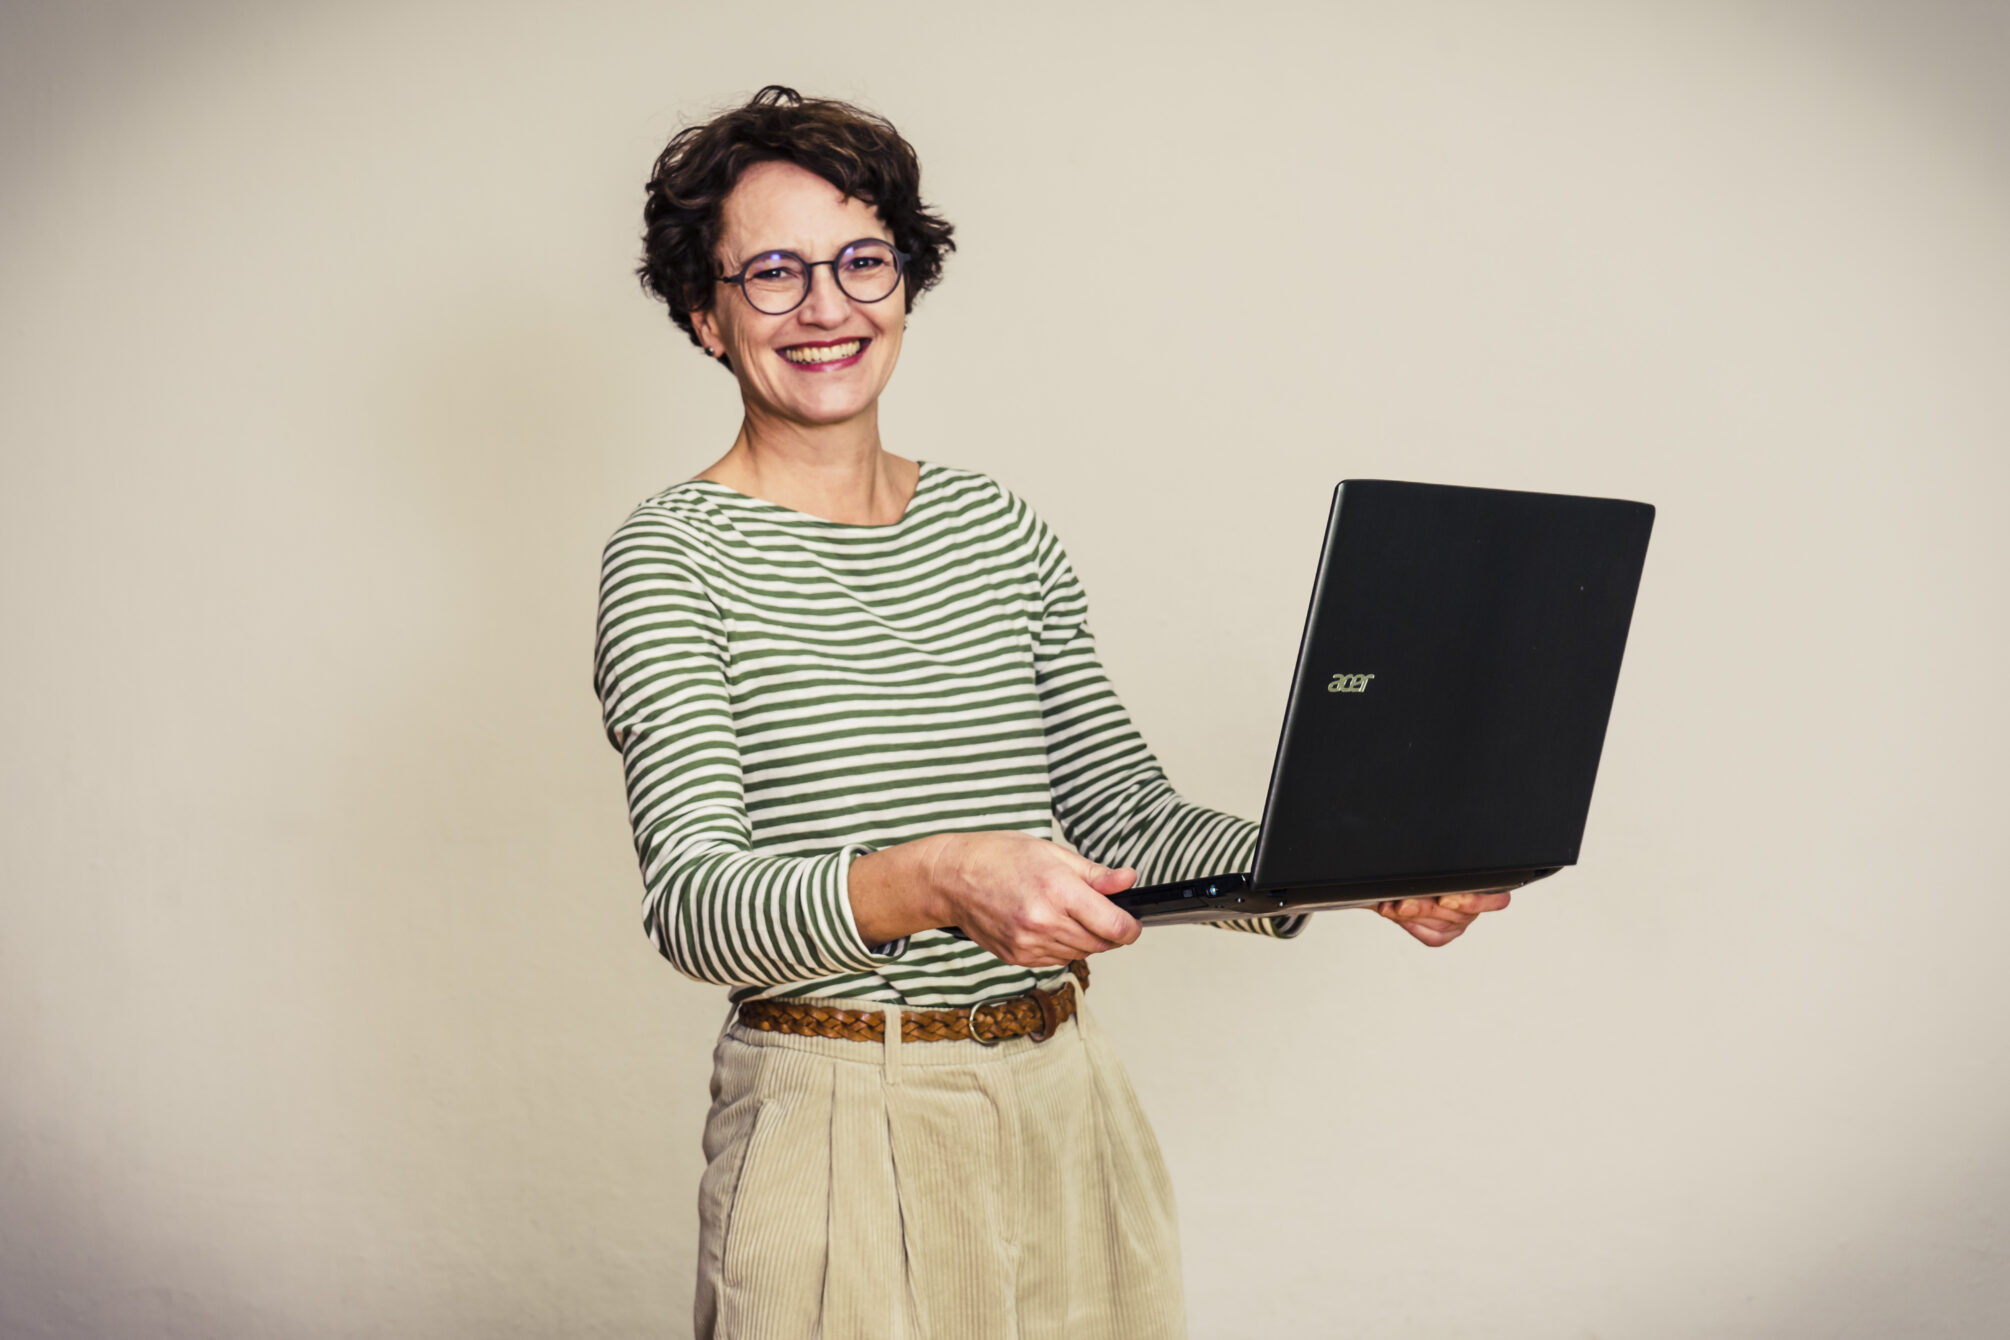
1035 1015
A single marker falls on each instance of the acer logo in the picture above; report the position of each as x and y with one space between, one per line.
1348 684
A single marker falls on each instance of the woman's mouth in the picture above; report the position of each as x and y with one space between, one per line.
832 354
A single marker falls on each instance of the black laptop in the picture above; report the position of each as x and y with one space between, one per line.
1454 681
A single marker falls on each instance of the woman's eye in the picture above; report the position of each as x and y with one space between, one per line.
857 263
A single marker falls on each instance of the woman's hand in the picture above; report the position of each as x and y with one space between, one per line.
1030 902
1439 921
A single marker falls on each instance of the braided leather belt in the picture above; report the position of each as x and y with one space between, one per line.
1034 1014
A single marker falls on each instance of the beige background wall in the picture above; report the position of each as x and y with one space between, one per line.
324 1006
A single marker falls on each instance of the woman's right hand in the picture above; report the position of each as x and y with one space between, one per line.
1030 902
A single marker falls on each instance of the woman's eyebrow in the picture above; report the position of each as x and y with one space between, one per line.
759 252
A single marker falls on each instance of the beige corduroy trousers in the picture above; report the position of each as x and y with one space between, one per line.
945 1190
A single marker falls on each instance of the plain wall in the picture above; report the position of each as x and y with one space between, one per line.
324 1004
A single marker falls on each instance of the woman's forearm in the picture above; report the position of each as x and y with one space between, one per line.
1025 899
894 892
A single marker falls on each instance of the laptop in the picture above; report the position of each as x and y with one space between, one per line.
1454 681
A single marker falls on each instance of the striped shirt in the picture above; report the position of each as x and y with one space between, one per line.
788 693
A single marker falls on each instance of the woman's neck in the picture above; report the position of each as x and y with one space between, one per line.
839 472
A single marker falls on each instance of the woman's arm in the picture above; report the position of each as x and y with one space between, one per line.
1113 799
715 909
1110 794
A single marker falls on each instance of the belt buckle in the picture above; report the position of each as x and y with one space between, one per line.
986 1004
1050 1014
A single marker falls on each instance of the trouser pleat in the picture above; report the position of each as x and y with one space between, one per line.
946 1192
948 1141
868 1294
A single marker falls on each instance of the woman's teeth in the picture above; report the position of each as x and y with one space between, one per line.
822 353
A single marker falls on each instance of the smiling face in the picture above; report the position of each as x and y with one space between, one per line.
827 361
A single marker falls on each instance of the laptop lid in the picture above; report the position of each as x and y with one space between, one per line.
1454 681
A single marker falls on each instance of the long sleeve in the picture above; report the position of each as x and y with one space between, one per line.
1110 794
716 909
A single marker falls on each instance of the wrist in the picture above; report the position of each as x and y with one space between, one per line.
937 877
897 890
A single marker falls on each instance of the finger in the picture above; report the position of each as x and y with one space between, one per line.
1063 936
1043 956
1429 934
1411 909
1474 904
1106 880
1103 919
1103 879
1467 905
1080 921
1445 929
1044 951
1080 943
1429 924
1436 930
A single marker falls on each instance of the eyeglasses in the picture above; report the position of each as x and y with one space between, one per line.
776 282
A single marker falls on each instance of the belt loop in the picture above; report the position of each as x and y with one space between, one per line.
891 1044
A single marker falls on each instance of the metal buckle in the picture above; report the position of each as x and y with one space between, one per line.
1050 1013
984 1004
971 1012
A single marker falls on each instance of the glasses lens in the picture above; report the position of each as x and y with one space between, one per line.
775 283
867 271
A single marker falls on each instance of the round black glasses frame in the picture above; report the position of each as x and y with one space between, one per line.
900 260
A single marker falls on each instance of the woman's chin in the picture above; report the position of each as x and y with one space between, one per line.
823 411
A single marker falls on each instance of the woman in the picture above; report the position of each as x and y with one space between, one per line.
852 693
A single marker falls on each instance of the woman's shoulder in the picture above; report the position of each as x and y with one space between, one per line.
990 519
955 488
687 500
682 517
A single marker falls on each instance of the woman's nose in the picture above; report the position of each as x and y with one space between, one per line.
827 304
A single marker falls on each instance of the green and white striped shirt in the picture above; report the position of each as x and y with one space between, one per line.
788 693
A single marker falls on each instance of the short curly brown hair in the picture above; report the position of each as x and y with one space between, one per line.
859 153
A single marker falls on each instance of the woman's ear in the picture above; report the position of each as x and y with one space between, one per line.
708 334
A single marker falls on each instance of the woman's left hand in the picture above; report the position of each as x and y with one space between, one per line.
1439 921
